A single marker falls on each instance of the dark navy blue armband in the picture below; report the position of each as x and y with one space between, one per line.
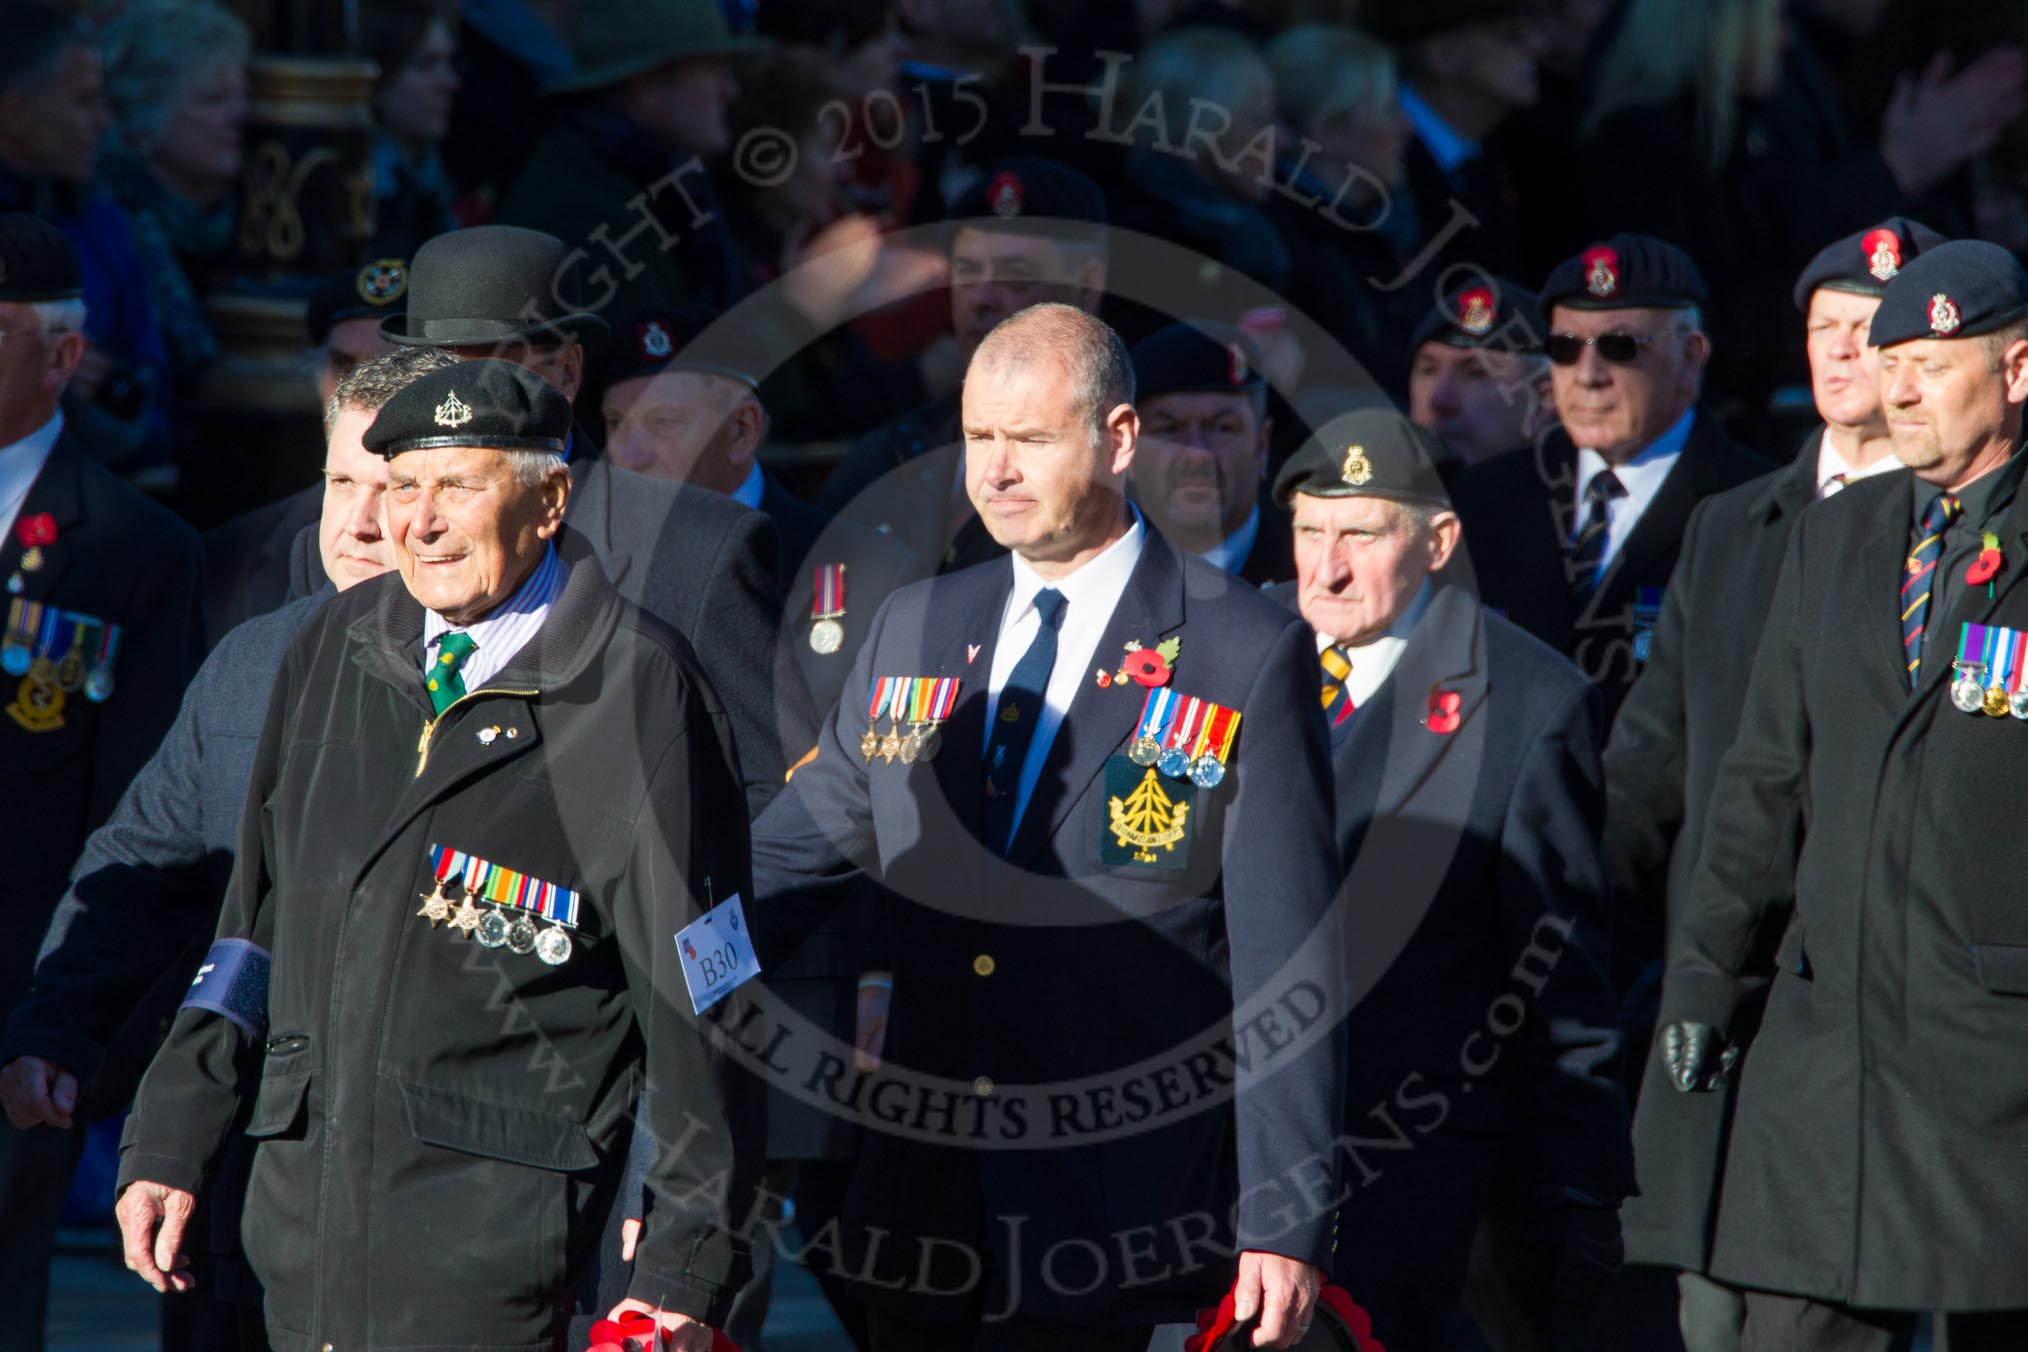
233 981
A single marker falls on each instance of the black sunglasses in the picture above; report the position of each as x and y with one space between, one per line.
1619 348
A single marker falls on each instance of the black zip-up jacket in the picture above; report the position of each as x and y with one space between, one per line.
441 1126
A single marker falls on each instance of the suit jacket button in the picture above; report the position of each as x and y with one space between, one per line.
983 964
983 1087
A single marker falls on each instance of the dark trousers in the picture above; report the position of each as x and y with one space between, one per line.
898 1333
35 1170
1792 1324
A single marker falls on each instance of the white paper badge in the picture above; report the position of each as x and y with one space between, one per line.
717 954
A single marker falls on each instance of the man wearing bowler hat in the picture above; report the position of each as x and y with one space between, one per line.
1682 716
1869 810
495 733
693 559
624 175
1574 540
98 587
1468 801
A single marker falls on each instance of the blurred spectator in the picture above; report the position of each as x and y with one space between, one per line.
52 116
1033 231
1533 145
413 44
861 44
623 173
1467 66
1709 129
957 54
176 82
1201 107
833 388
509 51
1336 89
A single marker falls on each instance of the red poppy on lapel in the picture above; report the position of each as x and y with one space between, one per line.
1986 567
1442 716
39 529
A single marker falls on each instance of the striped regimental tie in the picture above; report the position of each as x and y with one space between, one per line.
1919 573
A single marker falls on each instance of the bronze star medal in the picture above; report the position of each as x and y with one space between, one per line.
436 906
467 918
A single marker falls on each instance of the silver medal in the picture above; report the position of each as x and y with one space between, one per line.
492 931
1968 694
553 946
1208 772
826 637
521 935
1175 763
98 686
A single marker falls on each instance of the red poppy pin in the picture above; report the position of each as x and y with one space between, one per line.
1986 567
39 529
1145 666
1442 716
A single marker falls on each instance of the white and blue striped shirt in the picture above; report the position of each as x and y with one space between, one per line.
506 630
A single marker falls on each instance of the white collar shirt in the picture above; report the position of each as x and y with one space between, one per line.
507 627
1641 476
1090 594
21 465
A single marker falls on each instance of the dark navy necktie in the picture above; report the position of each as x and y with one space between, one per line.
1920 572
1587 551
1014 722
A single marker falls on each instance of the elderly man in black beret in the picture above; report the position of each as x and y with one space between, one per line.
1574 540
1867 812
1683 714
1204 448
1028 231
1476 374
100 590
1466 756
541 765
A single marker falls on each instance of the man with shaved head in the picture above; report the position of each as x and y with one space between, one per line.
1055 790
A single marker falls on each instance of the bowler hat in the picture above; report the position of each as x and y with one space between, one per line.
611 43
492 284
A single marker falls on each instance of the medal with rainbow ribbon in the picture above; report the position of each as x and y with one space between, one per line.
516 899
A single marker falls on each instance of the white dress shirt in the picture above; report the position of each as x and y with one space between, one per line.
20 465
1641 476
1830 465
506 629
1231 553
1090 595
1373 663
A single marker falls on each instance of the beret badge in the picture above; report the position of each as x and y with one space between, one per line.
1004 195
453 412
1883 253
382 282
655 340
1601 271
1943 315
1476 310
1358 470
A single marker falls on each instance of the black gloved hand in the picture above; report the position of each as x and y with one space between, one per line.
1697 1057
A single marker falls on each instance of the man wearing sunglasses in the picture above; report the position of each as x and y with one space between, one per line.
1683 714
1575 540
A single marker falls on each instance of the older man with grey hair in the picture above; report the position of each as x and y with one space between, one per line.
441 1097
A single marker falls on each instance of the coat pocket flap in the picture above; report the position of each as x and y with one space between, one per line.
2003 967
278 1106
501 1131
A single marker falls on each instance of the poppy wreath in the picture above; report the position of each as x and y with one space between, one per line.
1340 1326
635 1330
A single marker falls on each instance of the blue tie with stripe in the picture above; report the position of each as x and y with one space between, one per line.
1014 723
1920 572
